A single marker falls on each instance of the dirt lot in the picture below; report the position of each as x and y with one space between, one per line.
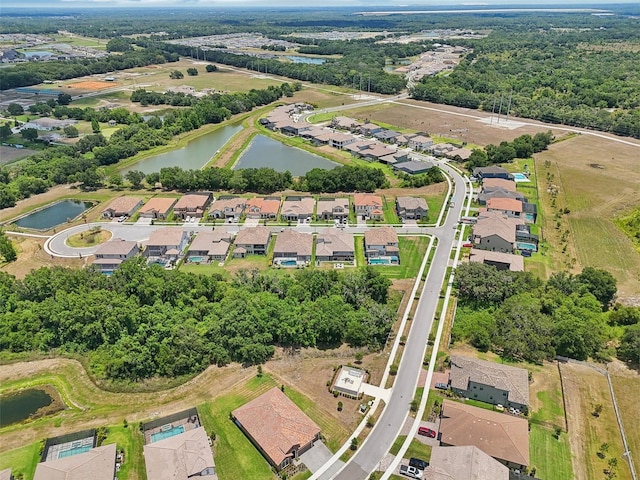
91 85
9 154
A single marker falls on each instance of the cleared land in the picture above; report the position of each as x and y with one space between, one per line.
626 386
9 154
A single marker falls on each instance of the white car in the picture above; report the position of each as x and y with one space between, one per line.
409 471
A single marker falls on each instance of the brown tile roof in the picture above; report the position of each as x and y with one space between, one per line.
367 199
264 205
515 262
489 184
496 223
504 204
303 206
504 377
191 201
499 435
331 240
380 236
180 457
230 203
117 246
291 240
463 463
124 204
97 464
412 203
165 237
158 204
328 204
276 424
253 236
215 243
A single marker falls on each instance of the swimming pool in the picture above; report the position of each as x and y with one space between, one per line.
520 177
74 451
288 263
171 432
383 260
527 246
195 259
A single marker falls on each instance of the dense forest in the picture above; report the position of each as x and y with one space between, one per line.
144 321
521 317
585 79
82 161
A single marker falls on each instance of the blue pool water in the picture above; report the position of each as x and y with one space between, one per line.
520 177
288 263
195 259
379 261
527 246
74 451
172 432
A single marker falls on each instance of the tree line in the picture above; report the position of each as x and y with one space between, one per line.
521 317
145 321
520 147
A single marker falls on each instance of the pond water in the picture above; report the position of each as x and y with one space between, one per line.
266 152
20 406
311 60
54 214
192 157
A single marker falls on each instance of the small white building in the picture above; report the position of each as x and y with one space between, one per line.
348 381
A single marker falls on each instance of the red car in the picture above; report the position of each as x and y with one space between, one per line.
427 432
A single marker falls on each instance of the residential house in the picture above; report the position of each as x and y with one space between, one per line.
340 140
97 464
381 242
277 427
386 136
122 206
441 149
297 208
393 158
495 232
313 132
111 254
492 171
459 154
367 205
6 474
334 245
414 167
420 143
412 208
332 208
370 129
503 437
158 208
210 246
348 382
490 382
166 244
292 128
356 148
192 205
180 457
484 197
509 206
292 246
252 241
47 124
463 463
345 123
263 208
500 260
403 139
375 152
491 184
228 208
530 211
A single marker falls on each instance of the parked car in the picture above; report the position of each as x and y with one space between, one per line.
418 463
409 471
526 253
441 386
427 432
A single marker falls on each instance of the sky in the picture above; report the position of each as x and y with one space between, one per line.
293 3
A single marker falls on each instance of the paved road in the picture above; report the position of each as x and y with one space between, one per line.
389 424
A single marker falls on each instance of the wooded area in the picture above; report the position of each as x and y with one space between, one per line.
145 321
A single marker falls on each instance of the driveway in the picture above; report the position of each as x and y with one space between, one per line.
317 456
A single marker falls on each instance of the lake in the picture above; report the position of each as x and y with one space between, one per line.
266 152
20 406
310 60
54 214
192 157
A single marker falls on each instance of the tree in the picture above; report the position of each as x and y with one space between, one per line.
29 134
5 131
600 283
152 178
192 71
64 99
176 74
15 109
115 179
354 443
119 44
340 406
629 349
7 250
95 126
70 131
211 68
135 177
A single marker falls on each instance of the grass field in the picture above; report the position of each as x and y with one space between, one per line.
416 449
550 457
412 250
130 440
626 386
22 460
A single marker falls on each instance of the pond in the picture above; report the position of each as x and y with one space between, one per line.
310 60
192 157
266 152
20 406
55 214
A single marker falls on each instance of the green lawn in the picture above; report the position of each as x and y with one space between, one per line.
388 207
416 449
22 460
412 250
208 269
552 410
550 457
129 439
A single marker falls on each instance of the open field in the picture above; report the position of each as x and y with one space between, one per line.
22 460
585 388
626 386
550 457
596 181
9 154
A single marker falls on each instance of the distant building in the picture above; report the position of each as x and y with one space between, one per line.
492 171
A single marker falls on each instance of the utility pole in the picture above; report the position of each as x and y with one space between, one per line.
500 109
509 105
493 111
